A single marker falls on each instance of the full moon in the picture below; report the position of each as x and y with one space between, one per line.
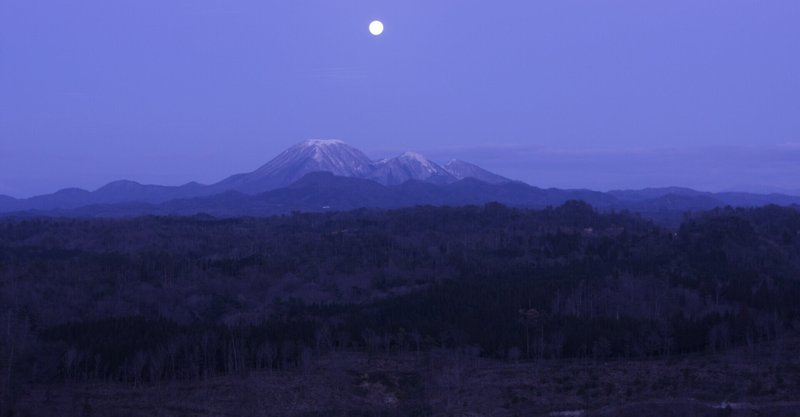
376 27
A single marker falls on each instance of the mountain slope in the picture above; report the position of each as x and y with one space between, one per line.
113 193
122 191
675 198
8 203
332 156
409 166
331 175
323 191
654 193
461 170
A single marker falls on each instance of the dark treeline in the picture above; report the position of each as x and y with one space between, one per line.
152 298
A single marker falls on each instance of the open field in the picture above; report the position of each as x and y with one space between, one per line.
744 382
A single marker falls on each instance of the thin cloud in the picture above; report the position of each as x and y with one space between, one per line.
714 168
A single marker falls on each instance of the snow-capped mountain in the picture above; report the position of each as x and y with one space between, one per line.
343 160
460 170
314 155
409 166
331 175
318 155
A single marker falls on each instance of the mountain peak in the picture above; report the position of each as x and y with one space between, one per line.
120 185
414 155
341 159
321 142
409 166
422 161
311 155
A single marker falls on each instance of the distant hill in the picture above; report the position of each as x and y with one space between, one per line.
318 155
320 175
655 193
704 198
323 191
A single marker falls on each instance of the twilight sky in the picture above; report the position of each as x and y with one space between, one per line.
596 94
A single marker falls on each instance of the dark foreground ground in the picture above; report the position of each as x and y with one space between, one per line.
426 311
761 381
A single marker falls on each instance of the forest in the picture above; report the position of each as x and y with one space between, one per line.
147 299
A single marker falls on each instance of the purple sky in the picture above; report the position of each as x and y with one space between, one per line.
597 94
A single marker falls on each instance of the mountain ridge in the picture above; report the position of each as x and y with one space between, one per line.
312 155
462 169
323 192
327 174
409 166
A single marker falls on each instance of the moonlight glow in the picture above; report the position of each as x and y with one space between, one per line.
376 27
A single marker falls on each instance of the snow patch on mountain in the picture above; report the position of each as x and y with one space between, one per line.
322 142
313 155
409 166
423 162
462 170
341 159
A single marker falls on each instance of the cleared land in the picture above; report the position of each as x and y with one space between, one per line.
746 382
